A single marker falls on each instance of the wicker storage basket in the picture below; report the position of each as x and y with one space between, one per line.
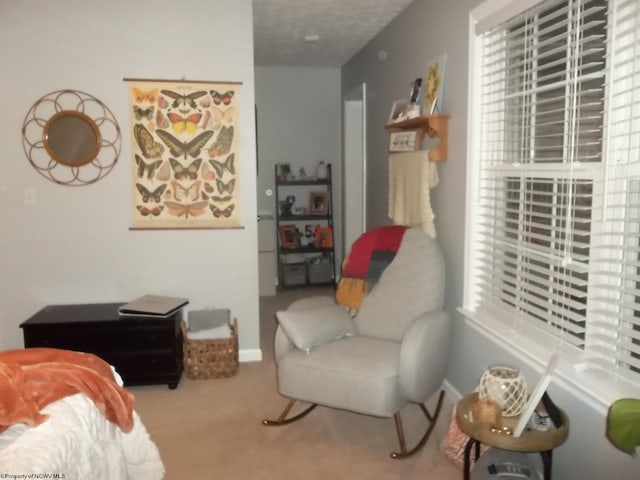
211 358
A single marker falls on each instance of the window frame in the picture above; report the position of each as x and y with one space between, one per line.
527 342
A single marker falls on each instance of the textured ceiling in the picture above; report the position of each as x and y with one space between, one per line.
342 28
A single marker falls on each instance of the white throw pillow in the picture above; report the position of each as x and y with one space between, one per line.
315 326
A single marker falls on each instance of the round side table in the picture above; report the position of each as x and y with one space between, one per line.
542 442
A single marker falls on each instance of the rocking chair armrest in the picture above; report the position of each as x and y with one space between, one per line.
424 354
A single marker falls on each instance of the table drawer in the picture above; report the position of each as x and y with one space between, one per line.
135 364
104 339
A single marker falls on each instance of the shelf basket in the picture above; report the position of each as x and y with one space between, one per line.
211 358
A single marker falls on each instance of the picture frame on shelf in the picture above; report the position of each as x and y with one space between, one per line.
535 396
289 237
405 141
399 110
416 91
434 85
324 237
318 203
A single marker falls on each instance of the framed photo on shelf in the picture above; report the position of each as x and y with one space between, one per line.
324 237
289 237
416 90
318 203
406 141
434 85
399 110
536 396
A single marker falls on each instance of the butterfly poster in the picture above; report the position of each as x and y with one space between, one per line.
184 154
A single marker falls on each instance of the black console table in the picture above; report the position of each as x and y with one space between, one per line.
144 350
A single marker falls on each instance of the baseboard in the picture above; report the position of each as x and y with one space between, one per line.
251 355
451 392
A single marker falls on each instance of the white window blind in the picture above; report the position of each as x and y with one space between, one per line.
615 317
557 219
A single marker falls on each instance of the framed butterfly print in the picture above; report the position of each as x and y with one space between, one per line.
184 154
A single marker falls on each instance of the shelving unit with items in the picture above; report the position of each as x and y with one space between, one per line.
304 220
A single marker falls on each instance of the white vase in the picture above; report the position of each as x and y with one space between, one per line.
321 170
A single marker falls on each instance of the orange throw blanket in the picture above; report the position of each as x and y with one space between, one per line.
32 378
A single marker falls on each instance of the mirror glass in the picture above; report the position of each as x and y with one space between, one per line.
72 138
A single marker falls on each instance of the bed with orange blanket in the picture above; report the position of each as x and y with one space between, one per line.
65 415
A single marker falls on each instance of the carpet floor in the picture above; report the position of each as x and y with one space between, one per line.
212 428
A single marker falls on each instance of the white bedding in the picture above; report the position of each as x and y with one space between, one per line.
78 442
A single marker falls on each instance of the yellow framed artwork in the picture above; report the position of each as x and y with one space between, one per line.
434 85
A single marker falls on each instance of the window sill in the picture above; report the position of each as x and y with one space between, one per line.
534 347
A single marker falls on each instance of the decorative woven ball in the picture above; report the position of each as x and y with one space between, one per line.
506 386
486 412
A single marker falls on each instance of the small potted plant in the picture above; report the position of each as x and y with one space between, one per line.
284 170
623 424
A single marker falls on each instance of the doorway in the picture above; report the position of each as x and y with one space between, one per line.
354 167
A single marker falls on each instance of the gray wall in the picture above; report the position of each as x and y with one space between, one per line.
420 34
74 245
299 122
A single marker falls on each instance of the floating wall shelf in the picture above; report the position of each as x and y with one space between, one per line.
427 125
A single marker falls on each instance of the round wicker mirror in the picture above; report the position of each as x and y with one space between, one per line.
71 138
